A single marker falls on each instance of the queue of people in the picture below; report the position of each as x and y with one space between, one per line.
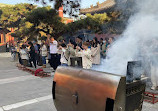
58 53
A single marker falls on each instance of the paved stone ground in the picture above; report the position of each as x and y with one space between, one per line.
20 91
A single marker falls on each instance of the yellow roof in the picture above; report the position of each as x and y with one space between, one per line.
99 7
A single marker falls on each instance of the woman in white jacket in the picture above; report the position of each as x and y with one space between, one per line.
85 54
44 53
95 51
24 55
64 55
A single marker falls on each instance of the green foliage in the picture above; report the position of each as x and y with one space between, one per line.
91 22
43 38
42 20
100 18
0 13
117 22
12 15
46 20
4 5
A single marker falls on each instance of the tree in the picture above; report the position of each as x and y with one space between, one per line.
12 15
71 7
0 13
43 20
100 18
47 20
91 22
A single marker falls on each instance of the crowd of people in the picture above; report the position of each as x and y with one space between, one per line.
59 53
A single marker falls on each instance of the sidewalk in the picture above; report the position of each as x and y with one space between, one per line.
19 88
8 55
5 54
31 87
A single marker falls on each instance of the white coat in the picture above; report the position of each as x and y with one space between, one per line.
44 50
64 56
86 58
24 54
96 54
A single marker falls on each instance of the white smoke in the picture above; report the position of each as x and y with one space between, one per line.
138 41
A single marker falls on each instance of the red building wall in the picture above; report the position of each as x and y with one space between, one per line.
6 38
61 14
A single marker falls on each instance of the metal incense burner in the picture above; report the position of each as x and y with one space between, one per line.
77 89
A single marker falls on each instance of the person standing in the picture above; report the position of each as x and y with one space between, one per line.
37 51
79 42
71 50
53 45
64 55
24 55
32 54
95 51
63 41
18 52
44 52
101 44
59 52
85 54
104 49
7 47
110 41
13 52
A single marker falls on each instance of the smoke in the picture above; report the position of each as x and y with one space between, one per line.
138 42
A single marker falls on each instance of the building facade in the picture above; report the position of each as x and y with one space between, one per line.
65 20
100 7
5 37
